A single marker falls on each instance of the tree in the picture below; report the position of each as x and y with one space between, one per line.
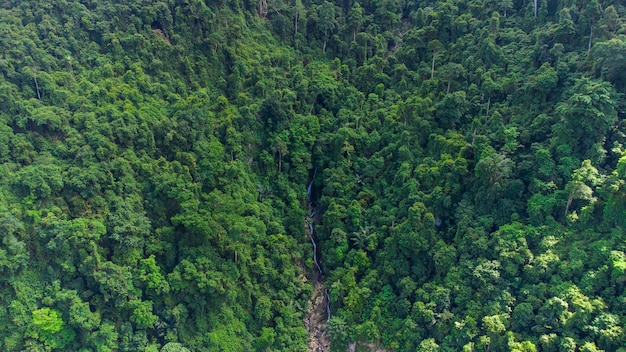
450 72
493 169
364 239
586 115
451 109
151 274
339 331
610 57
174 347
48 327
607 329
265 340
437 50
543 82
577 188
615 208
115 281
327 22
506 5
523 316
553 315
355 19
134 135
428 345
299 10
279 146
142 314
495 326
81 316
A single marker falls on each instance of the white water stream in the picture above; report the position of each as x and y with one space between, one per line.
310 220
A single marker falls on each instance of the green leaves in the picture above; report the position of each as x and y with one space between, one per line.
142 315
155 158
586 115
610 60
578 187
151 274
47 321
49 327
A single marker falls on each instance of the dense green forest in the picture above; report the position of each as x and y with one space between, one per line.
467 160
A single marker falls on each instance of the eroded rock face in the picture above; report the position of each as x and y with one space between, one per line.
316 320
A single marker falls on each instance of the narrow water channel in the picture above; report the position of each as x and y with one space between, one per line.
319 304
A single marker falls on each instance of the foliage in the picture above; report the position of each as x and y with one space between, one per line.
467 165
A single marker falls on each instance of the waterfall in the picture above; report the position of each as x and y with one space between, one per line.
314 249
309 197
327 304
319 268
310 222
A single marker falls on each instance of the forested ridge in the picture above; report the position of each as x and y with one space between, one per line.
467 163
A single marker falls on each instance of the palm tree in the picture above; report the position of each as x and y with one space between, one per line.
362 239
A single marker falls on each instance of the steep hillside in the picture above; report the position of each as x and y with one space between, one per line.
466 158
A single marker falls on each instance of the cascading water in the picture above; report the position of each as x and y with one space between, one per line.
309 188
320 300
314 249
327 304
310 220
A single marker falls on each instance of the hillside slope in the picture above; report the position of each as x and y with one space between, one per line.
467 163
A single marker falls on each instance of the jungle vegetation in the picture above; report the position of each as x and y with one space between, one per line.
468 160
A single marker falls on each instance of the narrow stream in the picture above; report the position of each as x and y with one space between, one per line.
320 300
314 246
319 268
311 221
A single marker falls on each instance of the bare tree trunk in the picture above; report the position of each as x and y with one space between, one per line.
535 8
263 8
37 85
569 203
590 40
474 136
432 68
